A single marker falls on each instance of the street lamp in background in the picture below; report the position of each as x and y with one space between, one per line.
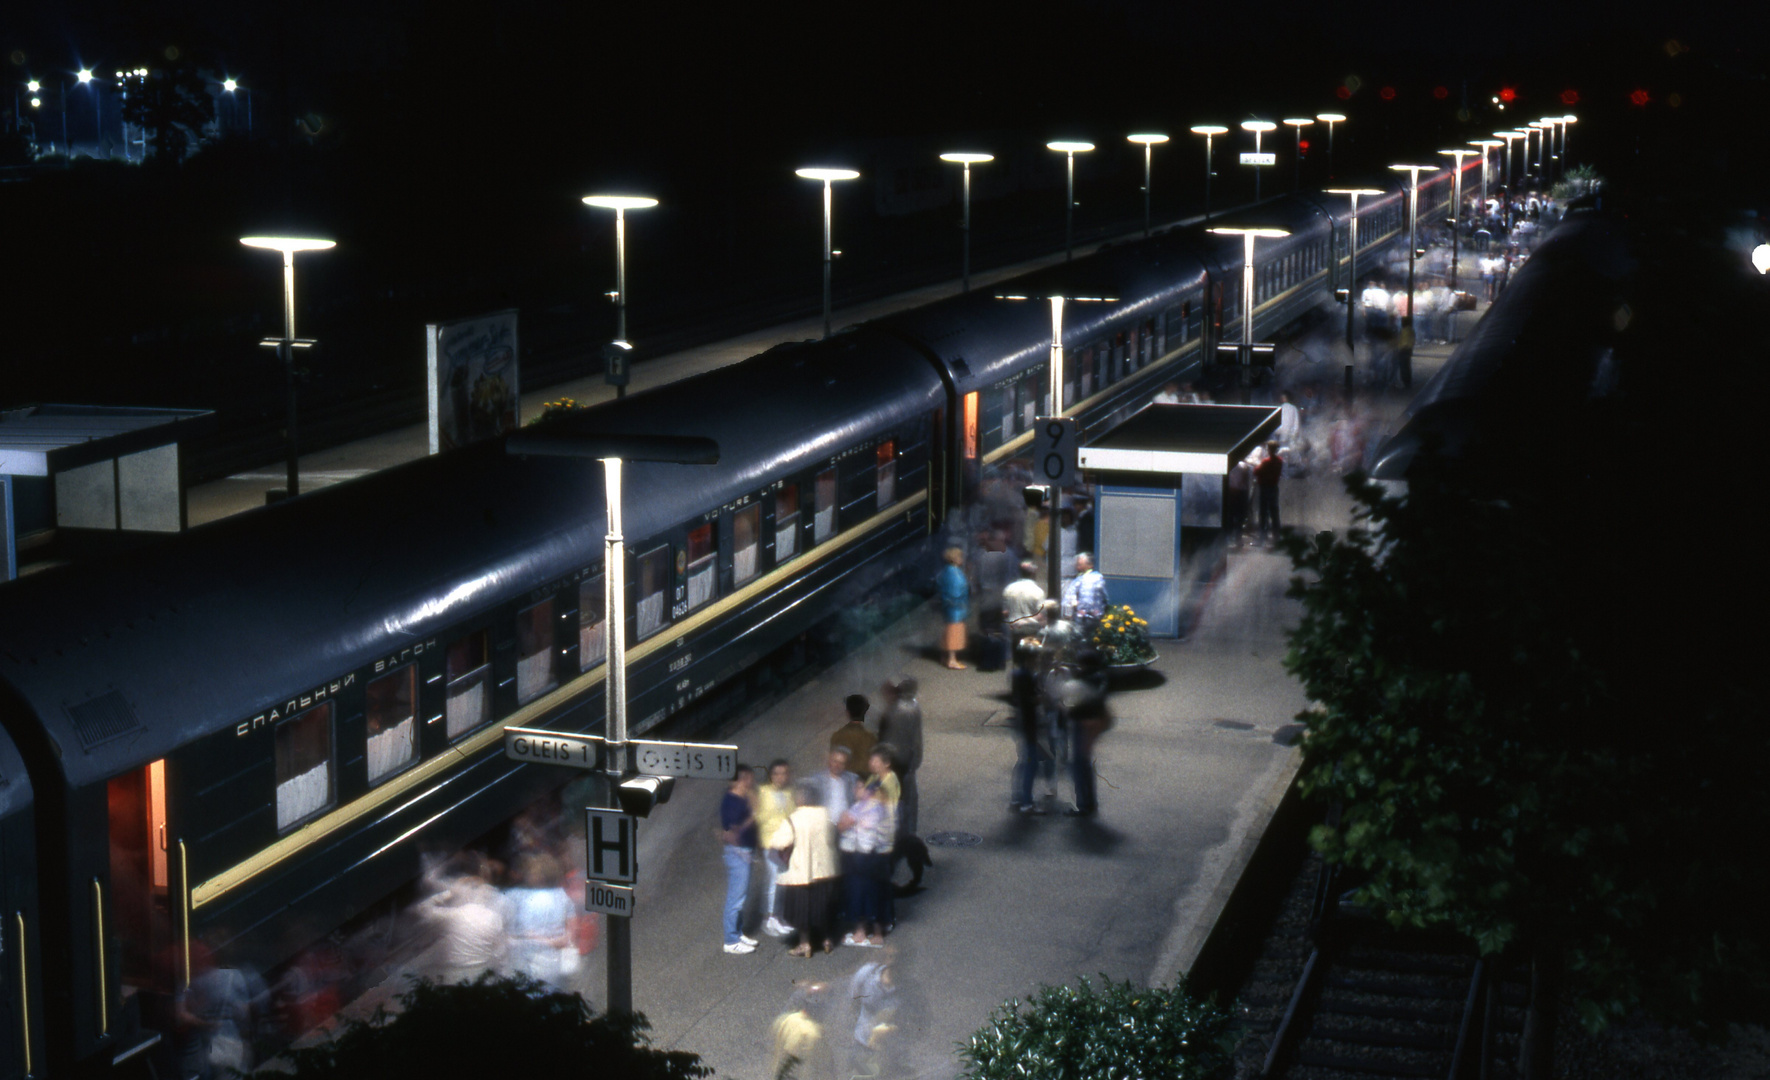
1330 119
1297 166
1259 128
233 86
1486 145
1553 157
1069 150
620 204
1149 143
612 450
1352 271
1535 158
1245 351
1208 130
1054 492
286 345
84 75
967 159
1565 121
1508 136
1413 249
1456 211
827 176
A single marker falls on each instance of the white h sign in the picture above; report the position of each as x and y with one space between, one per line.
613 847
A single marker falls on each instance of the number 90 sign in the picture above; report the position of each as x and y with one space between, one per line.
1057 444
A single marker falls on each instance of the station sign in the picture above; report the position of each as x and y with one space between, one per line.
553 748
705 761
1248 157
1057 442
611 847
608 899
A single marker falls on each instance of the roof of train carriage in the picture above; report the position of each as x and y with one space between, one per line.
123 662
982 339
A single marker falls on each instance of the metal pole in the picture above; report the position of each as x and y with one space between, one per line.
1257 168
1413 218
826 258
1148 150
1297 161
1351 292
1069 206
65 144
614 608
1207 179
621 276
1054 524
288 351
965 227
1245 361
1456 220
1330 125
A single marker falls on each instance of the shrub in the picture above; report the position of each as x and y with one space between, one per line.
1116 1032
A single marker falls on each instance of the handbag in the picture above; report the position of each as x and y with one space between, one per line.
783 857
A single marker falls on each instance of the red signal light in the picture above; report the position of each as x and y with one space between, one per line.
1570 97
1440 93
1387 93
1344 93
1639 98
1303 146
1507 94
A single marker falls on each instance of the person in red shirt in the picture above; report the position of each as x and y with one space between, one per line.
1266 475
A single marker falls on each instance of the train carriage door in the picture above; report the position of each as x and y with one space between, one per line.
136 909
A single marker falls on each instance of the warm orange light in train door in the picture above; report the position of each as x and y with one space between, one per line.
156 799
971 426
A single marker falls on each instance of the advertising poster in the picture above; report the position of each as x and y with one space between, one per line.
473 379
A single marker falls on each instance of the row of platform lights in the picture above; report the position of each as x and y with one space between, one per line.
615 354
86 78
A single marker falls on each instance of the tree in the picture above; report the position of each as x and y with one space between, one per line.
1119 1030
174 105
1518 753
492 1027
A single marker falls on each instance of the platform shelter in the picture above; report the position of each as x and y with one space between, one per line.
1160 481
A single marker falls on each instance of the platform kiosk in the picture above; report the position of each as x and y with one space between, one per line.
90 476
1160 481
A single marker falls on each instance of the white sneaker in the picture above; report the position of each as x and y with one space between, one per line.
775 928
739 948
747 940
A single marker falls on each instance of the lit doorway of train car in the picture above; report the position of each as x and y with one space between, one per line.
138 904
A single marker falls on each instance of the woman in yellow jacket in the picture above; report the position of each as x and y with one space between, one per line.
806 843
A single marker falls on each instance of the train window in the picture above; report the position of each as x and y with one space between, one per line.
885 457
654 581
392 713
746 542
823 518
1029 403
701 550
534 652
786 523
469 685
1010 406
1087 371
592 628
304 765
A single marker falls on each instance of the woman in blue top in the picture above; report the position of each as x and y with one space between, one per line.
955 603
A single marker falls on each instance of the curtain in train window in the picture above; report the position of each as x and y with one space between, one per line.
654 582
1029 402
1010 406
746 542
702 571
469 685
885 461
823 518
592 628
392 714
1088 371
304 766
786 523
534 652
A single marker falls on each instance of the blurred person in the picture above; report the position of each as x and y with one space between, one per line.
800 1049
213 1016
838 784
1031 760
737 826
1290 421
1084 699
853 736
874 992
883 764
866 841
1066 531
469 915
1086 600
995 569
901 728
1167 395
805 843
1237 494
539 921
1266 477
1085 523
1020 604
1059 645
1191 396
954 590
1375 302
774 801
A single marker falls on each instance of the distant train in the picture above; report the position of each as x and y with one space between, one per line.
245 735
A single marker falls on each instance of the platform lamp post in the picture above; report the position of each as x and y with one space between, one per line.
1299 124
1509 136
1565 122
966 159
1069 150
1248 347
616 355
233 86
1208 131
1413 250
1352 272
1259 128
1330 119
1551 157
828 176
1456 211
1054 493
1149 144
612 451
84 77
286 345
1486 145
1534 130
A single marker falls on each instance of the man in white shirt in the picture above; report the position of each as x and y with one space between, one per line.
1290 422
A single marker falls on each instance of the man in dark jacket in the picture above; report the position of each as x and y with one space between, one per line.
901 726
1266 475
